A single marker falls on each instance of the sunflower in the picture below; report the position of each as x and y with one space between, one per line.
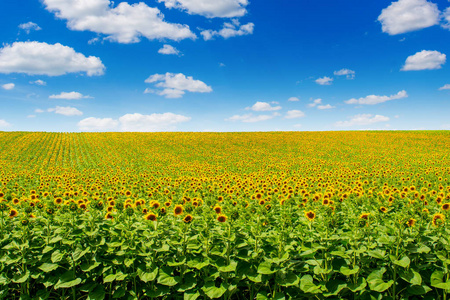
13 213
438 219
411 222
58 201
222 218
178 210
188 219
150 217
82 206
155 205
446 206
218 209
109 208
325 201
16 201
112 203
364 216
383 209
108 216
145 210
310 215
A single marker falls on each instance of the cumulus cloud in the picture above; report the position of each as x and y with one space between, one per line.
134 122
293 99
375 99
408 15
34 58
65 111
153 122
250 118
175 85
361 120
324 80
168 50
4 124
8 86
229 30
293 114
445 87
38 82
424 60
263 106
123 23
97 124
315 102
39 111
69 96
27 27
326 106
446 16
350 74
210 9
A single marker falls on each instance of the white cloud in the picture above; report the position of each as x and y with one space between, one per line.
408 15
175 85
8 86
315 102
69 96
263 106
293 99
34 58
293 114
168 50
324 80
327 106
38 82
210 9
65 111
123 23
374 99
39 111
424 60
446 16
350 74
250 118
31 116
4 124
445 87
229 30
361 120
153 122
29 26
221 65
97 124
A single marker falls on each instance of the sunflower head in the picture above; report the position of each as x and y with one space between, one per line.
188 219
13 213
109 216
150 217
438 219
310 215
218 209
446 206
383 209
222 218
411 222
178 210
364 216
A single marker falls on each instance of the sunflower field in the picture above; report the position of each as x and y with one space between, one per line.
262 215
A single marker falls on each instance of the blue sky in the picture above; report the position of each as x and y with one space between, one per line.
224 65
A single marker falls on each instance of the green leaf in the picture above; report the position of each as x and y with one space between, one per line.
174 263
262 296
97 294
191 295
78 253
358 286
109 278
128 262
229 268
67 284
20 278
46 267
265 268
86 267
376 253
165 277
119 293
418 289
334 287
279 296
55 240
376 283
404 262
307 285
347 271
212 291
3 279
412 277
197 264
288 279
147 276
57 256
437 280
